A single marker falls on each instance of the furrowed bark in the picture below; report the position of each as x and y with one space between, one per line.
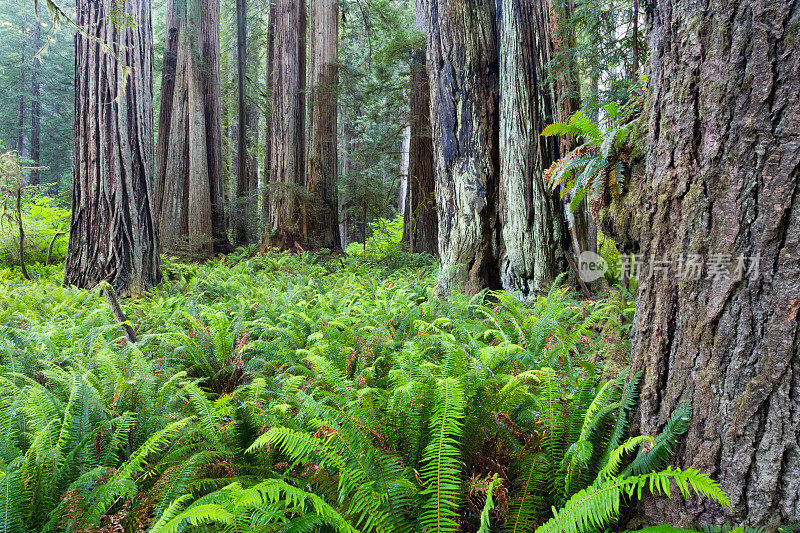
288 115
532 216
420 228
722 182
323 178
112 231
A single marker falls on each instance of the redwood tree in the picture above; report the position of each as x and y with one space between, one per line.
188 155
287 156
532 228
112 231
462 65
420 221
322 181
722 181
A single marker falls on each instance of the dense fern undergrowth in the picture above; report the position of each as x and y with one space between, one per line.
281 393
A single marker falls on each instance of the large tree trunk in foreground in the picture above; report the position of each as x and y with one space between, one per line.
531 214
189 156
723 181
420 227
287 162
112 231
323 178
462 64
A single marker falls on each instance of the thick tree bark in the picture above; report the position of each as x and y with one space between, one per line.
112 231
323 178
531 215
420 229
36 104
240 216
287 161
462 65
189 151
723 182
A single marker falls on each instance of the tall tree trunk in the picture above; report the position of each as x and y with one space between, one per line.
112 231
344 170
212 87
532 215
723 182
323 178
420 228
189 152
36 104
462 65
240 217
288 115
169 73
580 226
265 199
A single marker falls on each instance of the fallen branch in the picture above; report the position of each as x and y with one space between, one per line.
116 310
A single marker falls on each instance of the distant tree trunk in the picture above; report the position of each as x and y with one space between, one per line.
402 189
36 104
635 47
288 115
462 65
265 199
723 182
189 154
323 179
532 215
168 76
581 228
420 228
240 216
21 145
112 231
344 170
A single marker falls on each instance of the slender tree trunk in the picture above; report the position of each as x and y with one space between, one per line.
36 105
722 182
420 229
268 119
402 189
240 217
635 47
344 170
323 178
112 231
462 65
288 115
580 226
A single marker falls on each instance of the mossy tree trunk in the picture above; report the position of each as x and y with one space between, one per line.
112 231
533 228
463 69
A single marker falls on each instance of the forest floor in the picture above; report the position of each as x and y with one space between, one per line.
276 374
